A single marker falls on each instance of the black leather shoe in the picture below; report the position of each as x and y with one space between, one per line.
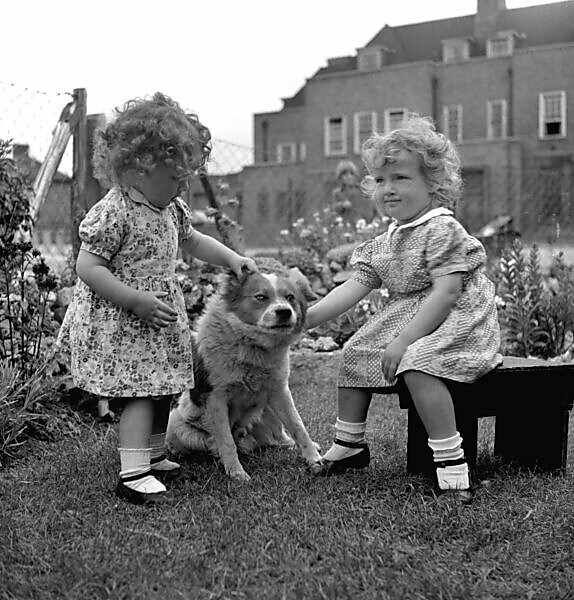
464 497
135 497
360 460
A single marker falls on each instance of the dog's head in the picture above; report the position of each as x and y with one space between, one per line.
274 298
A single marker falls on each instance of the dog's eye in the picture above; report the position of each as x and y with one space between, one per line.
260 297
290 297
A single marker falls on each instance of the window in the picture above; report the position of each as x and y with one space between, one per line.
454 50
394 118
502 45
286 153
335 136
365 123
452 119
302 151
496 119
552 115
369 60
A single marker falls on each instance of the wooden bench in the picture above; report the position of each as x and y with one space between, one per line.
531 400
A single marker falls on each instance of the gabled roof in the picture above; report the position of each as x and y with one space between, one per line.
537 26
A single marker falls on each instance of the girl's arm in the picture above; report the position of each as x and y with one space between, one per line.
94 271
337 301
432 312
210 250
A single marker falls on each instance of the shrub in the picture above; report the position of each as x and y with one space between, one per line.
27 326
26 283
535 311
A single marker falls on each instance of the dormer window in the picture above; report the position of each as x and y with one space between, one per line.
455 50
370 59
373 58
500 45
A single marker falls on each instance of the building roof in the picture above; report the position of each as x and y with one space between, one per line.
539 25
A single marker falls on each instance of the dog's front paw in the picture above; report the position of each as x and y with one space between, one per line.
239 475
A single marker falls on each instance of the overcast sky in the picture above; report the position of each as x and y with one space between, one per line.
224 59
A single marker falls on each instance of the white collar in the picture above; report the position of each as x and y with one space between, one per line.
434 212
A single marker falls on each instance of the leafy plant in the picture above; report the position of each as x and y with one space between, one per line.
26 283
535 312
306 244
20 412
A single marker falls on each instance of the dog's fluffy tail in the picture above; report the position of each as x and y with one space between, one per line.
182 436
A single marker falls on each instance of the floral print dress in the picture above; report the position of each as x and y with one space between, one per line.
112 352
404 260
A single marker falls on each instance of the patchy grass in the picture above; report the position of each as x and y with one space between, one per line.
377 534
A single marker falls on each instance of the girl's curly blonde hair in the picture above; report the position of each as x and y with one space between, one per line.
439 160
150 132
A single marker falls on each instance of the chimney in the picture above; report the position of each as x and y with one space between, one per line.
486 19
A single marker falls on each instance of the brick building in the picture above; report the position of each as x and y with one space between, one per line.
500 83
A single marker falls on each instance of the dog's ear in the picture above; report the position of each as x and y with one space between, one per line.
231 284
296 277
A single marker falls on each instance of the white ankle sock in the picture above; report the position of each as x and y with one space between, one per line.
452 469
158 460
135 471
346 431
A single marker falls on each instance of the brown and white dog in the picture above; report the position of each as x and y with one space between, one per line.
241 399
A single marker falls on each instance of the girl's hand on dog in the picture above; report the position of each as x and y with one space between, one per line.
150 309
240 264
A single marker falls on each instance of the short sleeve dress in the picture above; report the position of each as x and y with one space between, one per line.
404 260
112 352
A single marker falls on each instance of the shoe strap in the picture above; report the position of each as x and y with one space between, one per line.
157 459
136 476
450 463
350 444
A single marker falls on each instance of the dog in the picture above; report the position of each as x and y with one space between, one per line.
241 400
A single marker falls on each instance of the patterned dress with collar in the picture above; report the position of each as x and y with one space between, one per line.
111 351
404 260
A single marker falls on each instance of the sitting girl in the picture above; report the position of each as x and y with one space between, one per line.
440 322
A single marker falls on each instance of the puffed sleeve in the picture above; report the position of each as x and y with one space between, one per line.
447 248
102 229
361 261
184 219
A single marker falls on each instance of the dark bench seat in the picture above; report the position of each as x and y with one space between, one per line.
531 400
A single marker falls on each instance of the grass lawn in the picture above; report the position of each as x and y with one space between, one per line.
377 534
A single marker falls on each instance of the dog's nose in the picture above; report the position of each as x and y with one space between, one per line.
283 314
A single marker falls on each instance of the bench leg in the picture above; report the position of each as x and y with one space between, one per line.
533 439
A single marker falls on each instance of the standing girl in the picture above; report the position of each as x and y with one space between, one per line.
440 322
126 327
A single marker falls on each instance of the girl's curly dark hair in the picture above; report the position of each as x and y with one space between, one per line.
150 132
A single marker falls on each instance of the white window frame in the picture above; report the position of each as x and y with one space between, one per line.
370 59
286 152
451 125
392 119
551 114
361 134
491 107
329 140
502 44
455 50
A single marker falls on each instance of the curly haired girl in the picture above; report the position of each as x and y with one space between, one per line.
440 322
126 328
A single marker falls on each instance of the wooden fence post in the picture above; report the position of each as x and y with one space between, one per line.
80 151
